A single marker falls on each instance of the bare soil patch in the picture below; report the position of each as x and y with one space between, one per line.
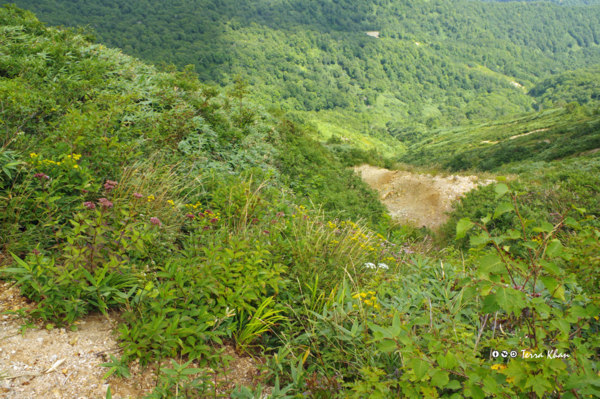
26 361
418 198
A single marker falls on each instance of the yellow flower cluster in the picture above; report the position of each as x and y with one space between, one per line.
498 367
171 202
301 211
70 160
367 298
194 206
151 198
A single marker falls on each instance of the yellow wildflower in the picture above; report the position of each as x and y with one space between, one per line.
498 367
75 166
150 198
33 155
171 202
363 294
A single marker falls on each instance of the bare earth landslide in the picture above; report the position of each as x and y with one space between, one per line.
418 198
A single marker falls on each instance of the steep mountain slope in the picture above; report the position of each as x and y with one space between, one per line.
437 63
195 223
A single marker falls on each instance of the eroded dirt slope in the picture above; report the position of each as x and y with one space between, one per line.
417 198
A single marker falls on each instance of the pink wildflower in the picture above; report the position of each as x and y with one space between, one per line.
41 176
155 221
89 205
105 203
109 185
189 216
138 195
214 220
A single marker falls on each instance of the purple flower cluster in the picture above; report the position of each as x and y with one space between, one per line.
110 185
155 221
89 205
105 203
41 176
138 195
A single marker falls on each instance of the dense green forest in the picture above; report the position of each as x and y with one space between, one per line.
209 218
436 64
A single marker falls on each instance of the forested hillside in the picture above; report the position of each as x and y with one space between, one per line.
437 63
200 223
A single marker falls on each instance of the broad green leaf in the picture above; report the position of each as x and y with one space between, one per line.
503 208
531 244
491 264
513 234
580 210
511 300
500 190
490 305
578 311
550 283
440 378
420 368
572 223
486 219
560 293
592 310
462 227
550 267
453 385
539 384
481 239
554 249
441 360
557 291
450 360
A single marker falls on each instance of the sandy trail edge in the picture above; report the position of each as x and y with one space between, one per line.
417 198
80 375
